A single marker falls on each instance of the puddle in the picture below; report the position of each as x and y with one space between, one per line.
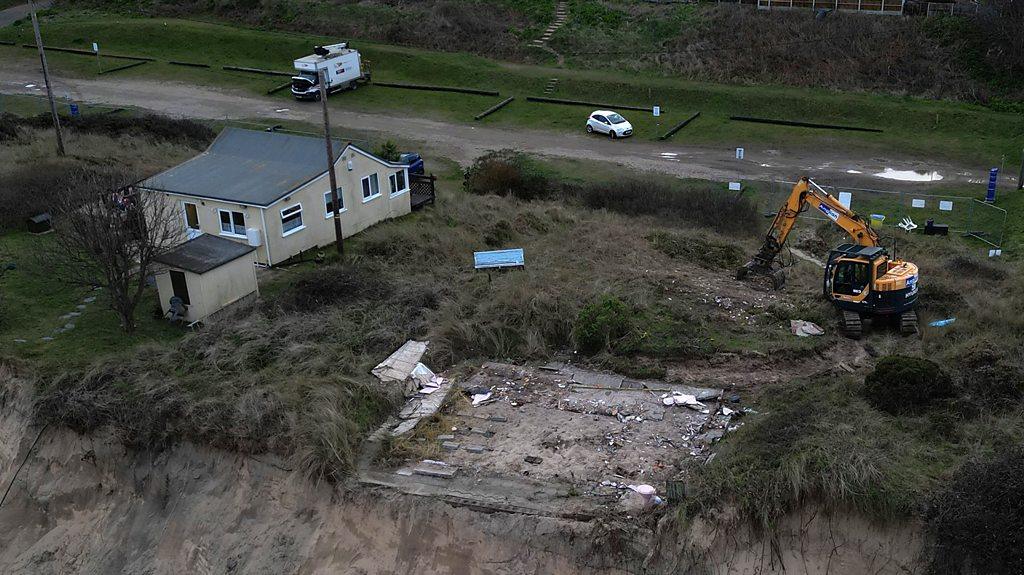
30 85
766 165
909 175
854 172
279 110
670 156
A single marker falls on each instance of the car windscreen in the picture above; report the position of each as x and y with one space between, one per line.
303 82
616 119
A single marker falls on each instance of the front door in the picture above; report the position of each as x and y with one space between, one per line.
851 278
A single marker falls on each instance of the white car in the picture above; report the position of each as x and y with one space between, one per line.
608 122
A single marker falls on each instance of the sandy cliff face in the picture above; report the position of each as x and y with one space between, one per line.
88 505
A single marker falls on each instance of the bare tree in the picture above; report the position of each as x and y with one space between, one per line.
108 234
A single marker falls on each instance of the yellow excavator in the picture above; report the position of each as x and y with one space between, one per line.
861 279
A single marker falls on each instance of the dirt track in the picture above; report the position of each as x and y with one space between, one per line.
463 142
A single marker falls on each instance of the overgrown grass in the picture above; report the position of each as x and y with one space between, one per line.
820 440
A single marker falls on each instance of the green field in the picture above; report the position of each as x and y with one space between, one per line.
913 127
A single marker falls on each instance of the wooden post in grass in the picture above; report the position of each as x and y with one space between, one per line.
330 164
46 79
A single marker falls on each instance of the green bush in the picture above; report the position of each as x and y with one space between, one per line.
599 323
388 151
977 524
507 173
705 253
901 385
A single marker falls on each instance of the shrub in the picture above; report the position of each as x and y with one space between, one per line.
388 151
600 322
977 524
705 253
662 197
179 130
900 385
507 173
334 284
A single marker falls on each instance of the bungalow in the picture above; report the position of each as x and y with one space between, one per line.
271 191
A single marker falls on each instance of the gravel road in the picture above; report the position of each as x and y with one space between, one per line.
463 142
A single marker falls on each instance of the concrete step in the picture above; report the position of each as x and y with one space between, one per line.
432 470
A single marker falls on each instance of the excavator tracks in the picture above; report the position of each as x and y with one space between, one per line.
908 323
850 324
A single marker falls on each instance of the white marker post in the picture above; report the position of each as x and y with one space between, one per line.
657 114
96 50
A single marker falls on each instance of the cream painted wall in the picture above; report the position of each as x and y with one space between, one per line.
357 215
214 290
318 229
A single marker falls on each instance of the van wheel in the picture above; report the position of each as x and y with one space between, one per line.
611 134
354 85
590 129
316 97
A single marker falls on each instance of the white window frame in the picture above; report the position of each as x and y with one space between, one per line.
184 214
393 180
328 214
292 210
376 178
231 218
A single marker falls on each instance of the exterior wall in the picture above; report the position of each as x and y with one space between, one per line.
214 290
318 229
356 216
209 219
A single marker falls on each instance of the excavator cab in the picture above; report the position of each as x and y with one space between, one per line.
864 281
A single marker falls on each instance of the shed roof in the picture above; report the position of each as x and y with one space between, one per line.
204 253
247 167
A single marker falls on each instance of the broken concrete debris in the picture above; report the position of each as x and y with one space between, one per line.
680 398
533 459
802 328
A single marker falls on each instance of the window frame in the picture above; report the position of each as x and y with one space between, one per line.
184 209
231 218
328 214
393 181
373 178
292 211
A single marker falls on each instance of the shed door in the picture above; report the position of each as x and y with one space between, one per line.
179 286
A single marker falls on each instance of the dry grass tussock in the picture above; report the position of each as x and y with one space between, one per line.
30 174
883 446
291 375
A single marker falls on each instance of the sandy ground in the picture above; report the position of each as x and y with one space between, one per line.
463 142
87 505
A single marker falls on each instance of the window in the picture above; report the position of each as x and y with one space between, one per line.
371 187
291 220
191 216
179 286
232 223
398 182
329 205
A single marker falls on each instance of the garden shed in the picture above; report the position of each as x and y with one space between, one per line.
205 275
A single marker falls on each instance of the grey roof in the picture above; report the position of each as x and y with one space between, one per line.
204 253
247 167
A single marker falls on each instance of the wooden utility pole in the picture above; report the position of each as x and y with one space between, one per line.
46 79
330 164
1020 176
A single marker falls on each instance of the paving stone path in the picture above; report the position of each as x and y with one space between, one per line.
69 319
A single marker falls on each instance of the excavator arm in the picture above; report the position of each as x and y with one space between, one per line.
805 194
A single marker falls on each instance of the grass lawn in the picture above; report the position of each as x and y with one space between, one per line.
33 302
965 133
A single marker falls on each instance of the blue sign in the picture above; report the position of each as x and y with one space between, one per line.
993 175
74 109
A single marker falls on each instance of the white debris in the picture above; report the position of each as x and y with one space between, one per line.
680 398
479 398
802 328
